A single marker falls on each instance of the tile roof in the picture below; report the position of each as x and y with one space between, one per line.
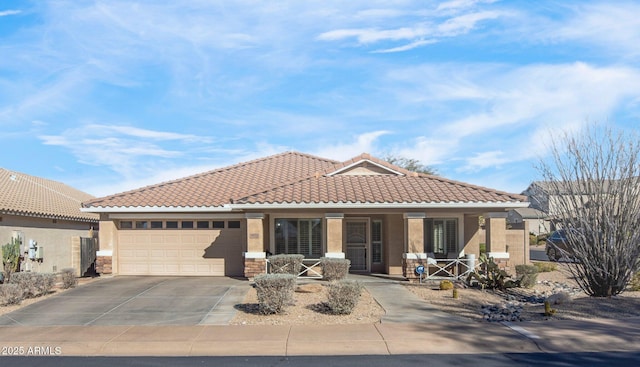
380 189
294 177
221 186
22 194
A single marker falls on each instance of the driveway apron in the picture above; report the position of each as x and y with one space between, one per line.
137 301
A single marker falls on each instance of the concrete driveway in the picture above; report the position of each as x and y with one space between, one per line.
138 301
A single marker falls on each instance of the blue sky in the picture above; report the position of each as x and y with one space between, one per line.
112 95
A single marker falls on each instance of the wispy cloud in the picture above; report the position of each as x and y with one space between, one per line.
363 143
4 13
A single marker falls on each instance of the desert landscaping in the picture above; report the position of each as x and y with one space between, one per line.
475 304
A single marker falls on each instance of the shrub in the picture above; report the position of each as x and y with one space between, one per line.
286 264
491 276
343 296
334 268
68 278
10 258
275 291
483 248
33 284
634 284
10 294
446 285
545 267
527 275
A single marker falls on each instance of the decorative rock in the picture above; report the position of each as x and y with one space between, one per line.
559 298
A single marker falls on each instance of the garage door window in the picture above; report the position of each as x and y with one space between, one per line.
172 224
218 224
126 224
233 224
187 224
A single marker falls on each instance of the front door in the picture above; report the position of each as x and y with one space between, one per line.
357 243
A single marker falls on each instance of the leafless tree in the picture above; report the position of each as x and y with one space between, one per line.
410 164
594 177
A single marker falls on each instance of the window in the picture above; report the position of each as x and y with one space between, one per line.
218 224
172 224
299 236
142 224
156 224
203 224
441 236
126 224
233 224
376 242
187 224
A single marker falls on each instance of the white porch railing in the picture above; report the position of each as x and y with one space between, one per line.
307 271
450 268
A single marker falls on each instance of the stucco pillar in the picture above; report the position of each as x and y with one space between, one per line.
106 256
414 247
255 259
472 235
496 229
334 235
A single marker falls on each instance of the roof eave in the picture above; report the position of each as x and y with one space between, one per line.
343 205
157 209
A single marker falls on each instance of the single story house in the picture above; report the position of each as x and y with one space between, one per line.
381 217
538 220
45 216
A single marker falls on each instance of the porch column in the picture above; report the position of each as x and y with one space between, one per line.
414 247
255 260
496 230
334 235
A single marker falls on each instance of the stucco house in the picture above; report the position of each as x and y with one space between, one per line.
381 217
45 216
537 220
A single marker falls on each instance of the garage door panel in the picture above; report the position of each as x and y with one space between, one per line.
171 253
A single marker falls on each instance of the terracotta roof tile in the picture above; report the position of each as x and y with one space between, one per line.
380 189
22 194
294 177
221 186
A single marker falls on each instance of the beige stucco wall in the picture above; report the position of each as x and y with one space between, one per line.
394 243
472 235
54 238
518 245
496 229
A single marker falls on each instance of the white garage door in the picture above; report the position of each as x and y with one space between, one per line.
180 252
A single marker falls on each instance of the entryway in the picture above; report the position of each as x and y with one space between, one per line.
357 244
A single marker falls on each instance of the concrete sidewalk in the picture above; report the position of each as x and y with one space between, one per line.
368 339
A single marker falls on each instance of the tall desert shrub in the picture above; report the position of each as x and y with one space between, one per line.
343 296
286 264
334 268
33 284
275 292
68 277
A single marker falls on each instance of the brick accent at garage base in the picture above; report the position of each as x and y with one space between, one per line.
253 267
103 265
409 267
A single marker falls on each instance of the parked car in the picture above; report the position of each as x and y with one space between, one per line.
557 246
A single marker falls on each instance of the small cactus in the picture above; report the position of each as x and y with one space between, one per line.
446 285
548 311
455 293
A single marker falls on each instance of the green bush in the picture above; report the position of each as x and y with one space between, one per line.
343 296
634 283
68 277
527 275
446 285
334 268
275 291
545 267
33 284
10 294
286 264
483 248
10 258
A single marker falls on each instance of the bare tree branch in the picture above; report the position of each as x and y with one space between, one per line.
594 178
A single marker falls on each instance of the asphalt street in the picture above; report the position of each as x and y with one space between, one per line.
432 360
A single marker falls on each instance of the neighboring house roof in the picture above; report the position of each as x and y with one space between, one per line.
530 213
568 187
22 194
296 179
